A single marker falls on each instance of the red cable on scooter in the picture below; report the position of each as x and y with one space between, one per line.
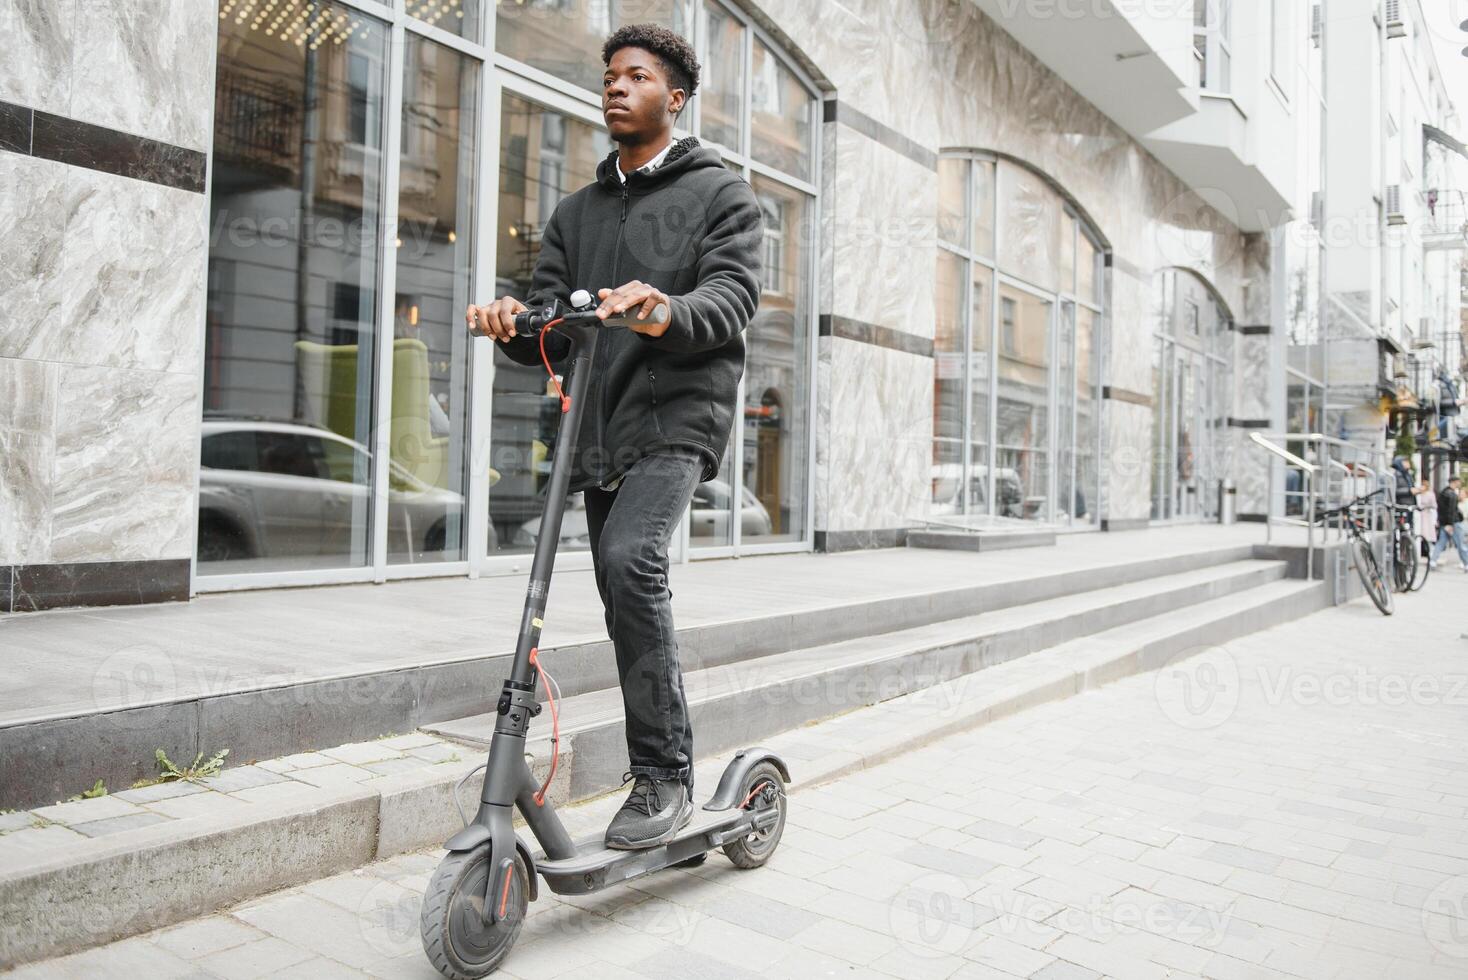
555 722
565 402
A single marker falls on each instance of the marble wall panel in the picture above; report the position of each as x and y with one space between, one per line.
1134 319
36 69
1250 472
26 466
112 270
1126 462
1251 377
883 211
145 67
853 46
33 196
127 448
27 408
876 421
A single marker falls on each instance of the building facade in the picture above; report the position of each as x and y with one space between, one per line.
1023 263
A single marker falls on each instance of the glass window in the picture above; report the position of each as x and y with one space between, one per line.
776 375
459 17
981 308
564 38
780 115
1030 237
1022 451
526 412
983 207
430 346
1087 425
948 381
952 200
1067 253
721 92
1088 277
292 304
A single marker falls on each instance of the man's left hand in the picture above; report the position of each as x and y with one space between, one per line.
641 299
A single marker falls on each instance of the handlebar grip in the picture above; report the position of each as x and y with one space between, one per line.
528 322
659 315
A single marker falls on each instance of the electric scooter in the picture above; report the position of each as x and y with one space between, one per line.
477 898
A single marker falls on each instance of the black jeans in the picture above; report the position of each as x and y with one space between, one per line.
629 529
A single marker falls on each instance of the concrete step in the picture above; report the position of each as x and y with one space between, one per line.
143 878
53 753
741 703
975 540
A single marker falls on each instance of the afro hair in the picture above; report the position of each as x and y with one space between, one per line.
673 53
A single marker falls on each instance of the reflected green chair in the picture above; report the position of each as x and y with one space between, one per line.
328 375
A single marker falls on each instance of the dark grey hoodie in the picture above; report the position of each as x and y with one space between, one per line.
693 229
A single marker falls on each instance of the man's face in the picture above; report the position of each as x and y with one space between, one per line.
635 98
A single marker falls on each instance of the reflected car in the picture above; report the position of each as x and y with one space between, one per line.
708 517
285 489
946 478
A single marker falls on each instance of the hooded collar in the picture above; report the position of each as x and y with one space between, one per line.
685 154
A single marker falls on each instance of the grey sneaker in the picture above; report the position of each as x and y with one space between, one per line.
655 810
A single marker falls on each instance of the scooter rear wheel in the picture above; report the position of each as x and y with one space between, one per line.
459 943
755 849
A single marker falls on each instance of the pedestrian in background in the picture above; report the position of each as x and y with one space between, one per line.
1450 517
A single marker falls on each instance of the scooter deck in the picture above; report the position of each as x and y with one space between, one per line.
596 866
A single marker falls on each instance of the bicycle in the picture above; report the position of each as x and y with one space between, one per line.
1405 558
1364 555
1419 548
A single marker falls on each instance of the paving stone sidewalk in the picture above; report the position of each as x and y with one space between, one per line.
1291 805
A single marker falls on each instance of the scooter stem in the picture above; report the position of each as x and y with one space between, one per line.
583 346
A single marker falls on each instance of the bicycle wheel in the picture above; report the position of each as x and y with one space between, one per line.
1404 567
1370 571
1424 567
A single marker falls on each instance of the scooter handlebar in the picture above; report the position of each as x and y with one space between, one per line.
534 320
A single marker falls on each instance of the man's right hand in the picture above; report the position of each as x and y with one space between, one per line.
496 320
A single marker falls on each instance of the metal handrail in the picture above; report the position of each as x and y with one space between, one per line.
1327 449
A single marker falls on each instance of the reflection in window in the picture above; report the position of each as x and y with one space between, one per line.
564 37
1023 403
781 111
1030 238
544 156
722 90
430 346
776 428
290 337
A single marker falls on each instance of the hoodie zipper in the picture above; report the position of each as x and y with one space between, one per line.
601 414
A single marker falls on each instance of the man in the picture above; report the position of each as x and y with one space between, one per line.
665 222
1449 519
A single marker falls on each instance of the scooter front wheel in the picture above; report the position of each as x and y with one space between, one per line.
763 788
459 943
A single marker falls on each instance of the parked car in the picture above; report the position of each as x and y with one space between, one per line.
285 489
709 517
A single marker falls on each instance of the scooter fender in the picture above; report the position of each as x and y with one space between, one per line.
728 794
477 833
